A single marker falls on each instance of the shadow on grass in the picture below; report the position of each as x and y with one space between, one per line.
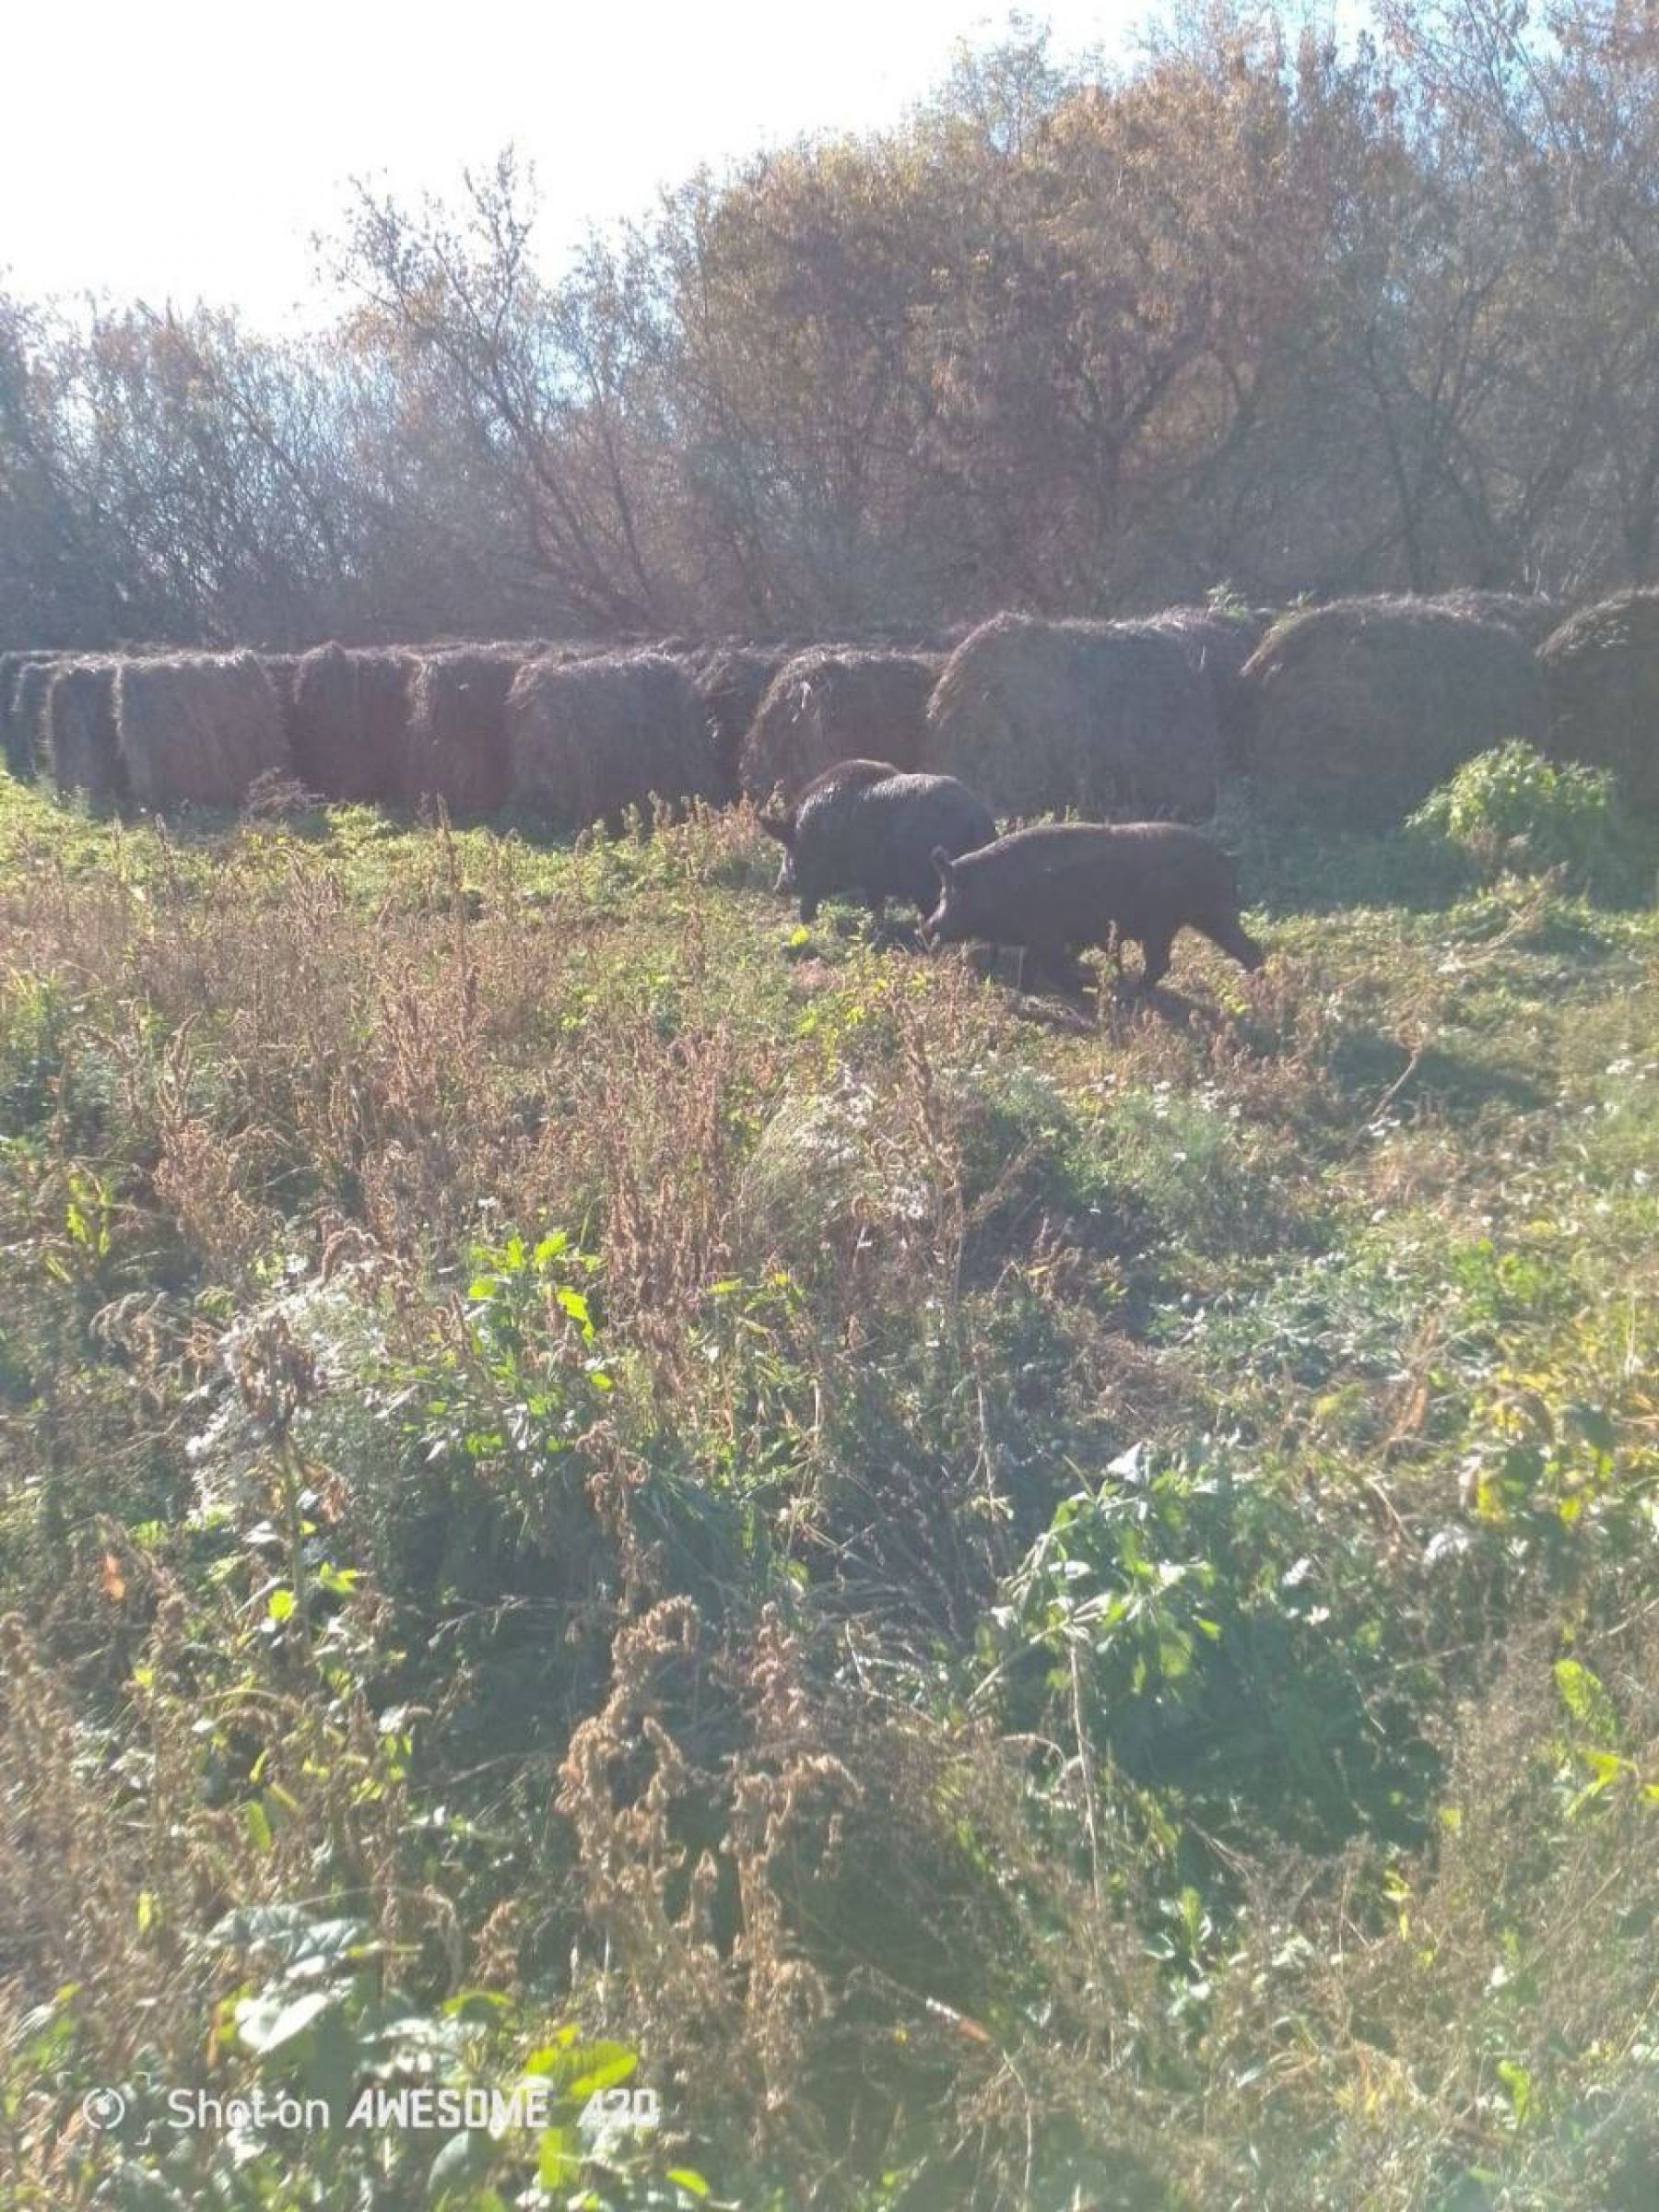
1288 868
1367 1061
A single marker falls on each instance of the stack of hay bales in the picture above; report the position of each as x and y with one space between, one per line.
282 668
588 738
11 666
1109 718
1362 707
1601 678
1532 617
732 680
826 706
456 748
349 724
197 729
24 719
81 740
1216 646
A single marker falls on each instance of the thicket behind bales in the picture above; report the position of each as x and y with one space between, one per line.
1601 678
197 730
822 707
1361 707
1216 646
25 723
1110 718
457 733
732 680
588 738
350 723
79 723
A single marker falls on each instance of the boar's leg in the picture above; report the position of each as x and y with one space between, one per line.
1057 962
1229 935
1155 950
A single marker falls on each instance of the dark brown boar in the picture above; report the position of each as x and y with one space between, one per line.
865 829
1067 885
780 822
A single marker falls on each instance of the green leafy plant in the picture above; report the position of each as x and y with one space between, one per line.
1514 811
1189 1619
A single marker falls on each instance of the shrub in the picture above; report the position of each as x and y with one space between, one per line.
1218 1633
1512 810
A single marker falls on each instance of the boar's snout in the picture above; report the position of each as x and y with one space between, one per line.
945 922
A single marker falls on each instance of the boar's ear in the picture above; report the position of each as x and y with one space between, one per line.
944 863
776 823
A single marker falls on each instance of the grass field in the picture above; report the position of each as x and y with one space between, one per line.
1003 1603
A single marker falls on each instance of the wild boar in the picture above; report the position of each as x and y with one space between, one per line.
1058 887
780 822
875 835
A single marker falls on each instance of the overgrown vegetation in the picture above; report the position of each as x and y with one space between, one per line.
999 1609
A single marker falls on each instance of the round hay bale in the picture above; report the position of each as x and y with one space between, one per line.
1106 717
1217 647
588 738
822 707
733 681
457 737
81 742
1362 707
197 730
1601 679
1527 613
282 668
11 666
26 724
349 724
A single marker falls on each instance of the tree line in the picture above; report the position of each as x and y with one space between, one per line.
1301 313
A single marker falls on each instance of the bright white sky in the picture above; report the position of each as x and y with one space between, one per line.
191 148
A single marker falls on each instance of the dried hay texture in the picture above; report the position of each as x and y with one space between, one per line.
1217 646
11 663
1362 707
1601 679
457 740
349 724
282 668
587 739
25 679
732 680
822 707
82 744
197 730
1530 617
1105 717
